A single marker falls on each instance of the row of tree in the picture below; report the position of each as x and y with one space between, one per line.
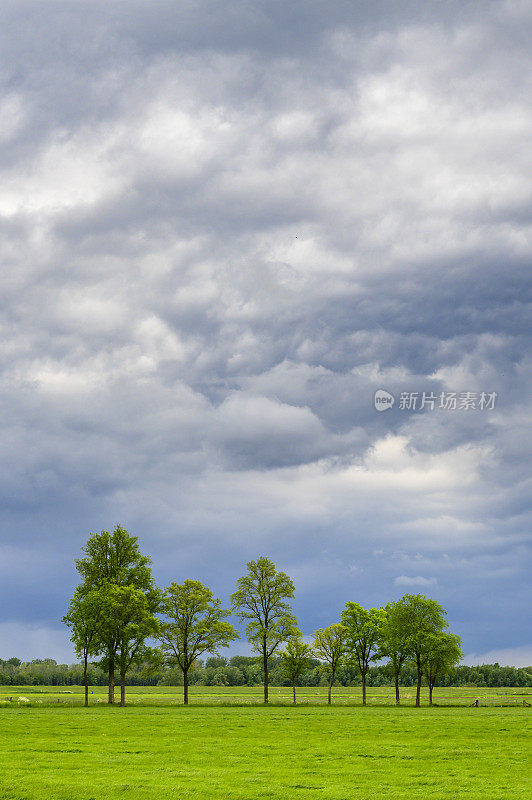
247 671
117 610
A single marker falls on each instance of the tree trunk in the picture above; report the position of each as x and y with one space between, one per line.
430 694
122 688
330 688
294 690
364 688
397 700
418 688
85 680
111 681
185 687
265 662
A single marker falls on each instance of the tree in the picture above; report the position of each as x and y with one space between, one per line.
363 636
115 559
295 660
129 622
445 652
424 619
329 646
260 602
195 625
84 617
394 641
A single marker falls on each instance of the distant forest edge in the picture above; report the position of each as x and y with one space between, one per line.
247 671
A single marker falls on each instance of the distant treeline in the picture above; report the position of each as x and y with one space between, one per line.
247 671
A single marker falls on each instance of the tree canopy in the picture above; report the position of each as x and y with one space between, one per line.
363 636
444 653
395 639
260 601
295 659
194 624
116 612
330 646
424 619
113 561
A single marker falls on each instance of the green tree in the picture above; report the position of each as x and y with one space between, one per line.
194 625
330 646
84 617
445 653
115 559
424 620
129 622
295 659
363 636
395 641
260 602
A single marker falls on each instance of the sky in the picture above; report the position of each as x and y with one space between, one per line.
223 228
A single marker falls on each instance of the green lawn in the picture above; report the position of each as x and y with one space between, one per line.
65 752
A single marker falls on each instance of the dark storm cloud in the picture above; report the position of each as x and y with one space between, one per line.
222 230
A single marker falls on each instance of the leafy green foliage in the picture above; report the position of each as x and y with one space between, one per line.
295 660
129 621
363 636
194 624
114 558
395 643
118 585
260 602
424 619
246 671
330 646
444 654
84 618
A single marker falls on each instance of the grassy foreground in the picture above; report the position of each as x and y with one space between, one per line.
248 752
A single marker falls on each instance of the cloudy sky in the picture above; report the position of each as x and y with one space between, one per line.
223 227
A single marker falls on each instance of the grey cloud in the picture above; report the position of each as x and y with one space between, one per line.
223 230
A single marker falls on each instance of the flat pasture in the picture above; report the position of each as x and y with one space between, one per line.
253 695
226 744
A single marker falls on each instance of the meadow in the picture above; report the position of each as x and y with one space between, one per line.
253 695
226 744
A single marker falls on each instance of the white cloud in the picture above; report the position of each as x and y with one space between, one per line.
418 580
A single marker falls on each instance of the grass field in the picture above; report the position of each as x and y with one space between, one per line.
253 695
227 745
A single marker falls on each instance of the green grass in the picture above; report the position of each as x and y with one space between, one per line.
253 695
157 751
